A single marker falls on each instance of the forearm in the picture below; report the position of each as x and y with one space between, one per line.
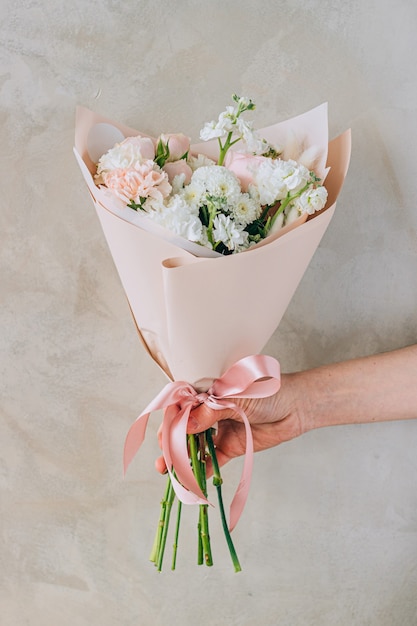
370 389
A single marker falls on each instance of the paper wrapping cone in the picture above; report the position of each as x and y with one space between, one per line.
197 316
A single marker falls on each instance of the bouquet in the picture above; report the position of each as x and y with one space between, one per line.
228 224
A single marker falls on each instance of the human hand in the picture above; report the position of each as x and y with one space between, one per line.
273 420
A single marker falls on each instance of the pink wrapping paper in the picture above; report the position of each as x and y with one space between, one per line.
197 316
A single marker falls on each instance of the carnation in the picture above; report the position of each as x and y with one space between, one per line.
121 157
144 180
180 218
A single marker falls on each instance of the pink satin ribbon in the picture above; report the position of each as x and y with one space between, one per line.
255 376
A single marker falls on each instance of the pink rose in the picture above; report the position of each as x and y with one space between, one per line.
243 165
178 145
176 168
145 144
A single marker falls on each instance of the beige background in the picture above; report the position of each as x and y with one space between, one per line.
329 535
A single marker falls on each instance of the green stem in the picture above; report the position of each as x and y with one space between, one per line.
217 481
225 147
198 465
168 506
158 536
177 530
286 202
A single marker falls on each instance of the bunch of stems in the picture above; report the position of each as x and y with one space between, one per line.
201 448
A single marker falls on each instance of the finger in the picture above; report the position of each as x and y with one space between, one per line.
160 465
203 417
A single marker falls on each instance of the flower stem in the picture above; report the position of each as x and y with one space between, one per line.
158 548
177 530
286 202
197 453
157 541
224 148
217 481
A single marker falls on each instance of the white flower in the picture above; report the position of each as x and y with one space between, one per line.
193 194
212 130
199 161
228 232
312 200
180 218
218 181
246 210
296 175
225 124
121 156
254 143
276 178
269 181
291 214
177 183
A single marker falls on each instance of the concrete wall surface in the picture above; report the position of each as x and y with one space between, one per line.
329 534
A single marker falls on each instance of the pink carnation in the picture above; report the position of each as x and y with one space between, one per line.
144 180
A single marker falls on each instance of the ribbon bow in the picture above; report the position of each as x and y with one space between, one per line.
256 376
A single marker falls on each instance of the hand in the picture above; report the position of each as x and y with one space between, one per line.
274 420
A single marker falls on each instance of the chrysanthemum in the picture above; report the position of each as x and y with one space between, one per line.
218 181
246 209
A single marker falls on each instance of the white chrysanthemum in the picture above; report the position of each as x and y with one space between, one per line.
193 194
312 200
180 218
246 209
229 233
199 161
218 181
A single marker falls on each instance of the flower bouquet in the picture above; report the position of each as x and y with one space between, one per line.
193 228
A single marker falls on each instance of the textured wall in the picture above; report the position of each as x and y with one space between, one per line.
329 535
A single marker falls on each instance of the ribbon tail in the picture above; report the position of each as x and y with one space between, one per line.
242 491
174 447
136 433
134 439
